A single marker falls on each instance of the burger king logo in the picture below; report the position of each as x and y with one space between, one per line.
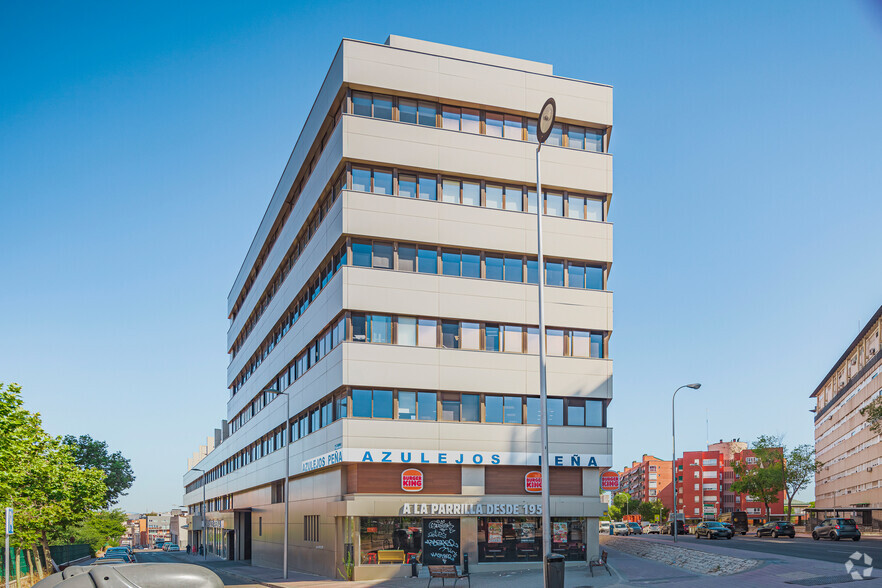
533 482
412 480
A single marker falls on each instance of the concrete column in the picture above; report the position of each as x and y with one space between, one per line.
468 538
592 537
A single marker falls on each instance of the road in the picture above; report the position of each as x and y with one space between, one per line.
804 547
158 556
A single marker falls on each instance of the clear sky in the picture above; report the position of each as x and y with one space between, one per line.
140 144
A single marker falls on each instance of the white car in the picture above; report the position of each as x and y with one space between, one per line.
620 529
652 528
604 527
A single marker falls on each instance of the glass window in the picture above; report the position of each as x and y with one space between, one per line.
556 136
532 339
554 341
314 420
471 408
382 255
493 265
514 269
532 410
531 131
514 199
471 265
407 258
555 411
554 275
428 406
531 201
450 191
512 410
512 341
450 263
361 104
594 140
407 331
428 188
594 209
493 123
427 261
327 414
407 110
361 404
427 112
491 337
575 137
383 107
450 334
407 186
383 404
450 408
597 345
513 126
575 275
576 412
381 328
471 193
532 271
493 411
407 406
361 254
450 117
471 120
340 407
382 182
361 179
494 196
576 207
398 533
594 278
553 204
471 335
427 332
594 413
579 343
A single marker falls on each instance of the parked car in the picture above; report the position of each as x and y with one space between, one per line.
119 552
604 527
836 529
116 557
668 529
636 529
776 529
620 529
173 547
652 528
730 526
712 530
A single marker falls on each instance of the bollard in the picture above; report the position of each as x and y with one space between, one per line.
413 566
465 563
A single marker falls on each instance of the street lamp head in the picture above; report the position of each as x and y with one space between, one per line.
546 120
693 386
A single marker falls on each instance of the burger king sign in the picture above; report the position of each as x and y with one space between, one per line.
412 480
533 482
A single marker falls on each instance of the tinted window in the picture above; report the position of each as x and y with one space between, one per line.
427 261
493 409
407 405
494 267
361 104
407 111
471 408
383 107
361 403
361 254
450 263
407 258
407 186
428 407
450 335
471 265
382 404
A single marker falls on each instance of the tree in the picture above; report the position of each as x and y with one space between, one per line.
622 504
800 467
91 453
873 413
764 480
100 528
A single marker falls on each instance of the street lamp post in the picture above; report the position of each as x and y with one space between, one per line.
543 129
287 437
202 531
674 456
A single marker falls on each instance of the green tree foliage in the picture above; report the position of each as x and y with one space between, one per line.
652 511
91 453
800 467
765 479
100 529
873 414
622 504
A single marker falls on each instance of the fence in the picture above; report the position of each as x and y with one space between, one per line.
21 556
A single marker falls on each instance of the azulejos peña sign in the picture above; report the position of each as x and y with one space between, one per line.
355 455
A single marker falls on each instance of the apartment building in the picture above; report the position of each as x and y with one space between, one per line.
390 297
649 479
704 484
850 451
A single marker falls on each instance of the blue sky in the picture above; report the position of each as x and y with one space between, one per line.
140 144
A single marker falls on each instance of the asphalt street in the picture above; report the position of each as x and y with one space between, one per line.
158 556
804 547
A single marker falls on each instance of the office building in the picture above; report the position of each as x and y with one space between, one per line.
390 292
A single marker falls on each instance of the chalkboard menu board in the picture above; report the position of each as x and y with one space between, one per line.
440 541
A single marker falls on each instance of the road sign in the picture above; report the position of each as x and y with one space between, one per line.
9 526
609 481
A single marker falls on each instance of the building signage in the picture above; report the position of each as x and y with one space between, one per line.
429 508
609 481
412 480
215 523
533 482
355 455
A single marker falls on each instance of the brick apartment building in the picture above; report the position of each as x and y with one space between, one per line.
649 479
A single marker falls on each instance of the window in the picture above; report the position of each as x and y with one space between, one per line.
580 344
471 408
407 111
398 533
361 403
450 118
450 263
428 188
471 193
383 107
426 113
382 182
597 345
407 258
513 339
532 340
359 331
493 123
514 199
361 254
471 264
532 271
407 405
554 275
427 261
361 179
575 275
512 409
491 337
428 406
575 137
450 335
471 336
493 267
575 412
407 186
594 140
495 196
514 269
361 104
382 404
471 120
381 329
311 528
427 332
513 127
554 341
531 131
407 331
553 204
382 255
576 207
594 278
493 409
450 407
556 136
450 191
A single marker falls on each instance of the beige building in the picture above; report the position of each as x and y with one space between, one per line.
391 292
852 454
